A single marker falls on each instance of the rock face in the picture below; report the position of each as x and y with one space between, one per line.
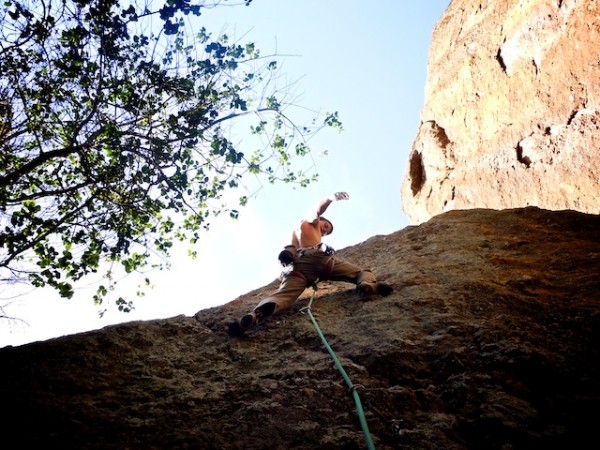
489 341
512 110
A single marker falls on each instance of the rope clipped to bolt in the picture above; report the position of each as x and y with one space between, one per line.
352 388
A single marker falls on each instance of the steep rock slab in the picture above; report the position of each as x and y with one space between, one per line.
490 341
512 110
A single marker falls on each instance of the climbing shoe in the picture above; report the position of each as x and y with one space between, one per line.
365 288
238 327
235 329
379 288
383 289
248 321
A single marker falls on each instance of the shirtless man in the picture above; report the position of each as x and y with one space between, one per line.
310 260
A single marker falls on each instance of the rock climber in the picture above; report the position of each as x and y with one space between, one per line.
307 260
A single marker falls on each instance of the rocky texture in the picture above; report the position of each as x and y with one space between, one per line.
512 109
489 341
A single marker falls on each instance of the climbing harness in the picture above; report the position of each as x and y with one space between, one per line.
352 388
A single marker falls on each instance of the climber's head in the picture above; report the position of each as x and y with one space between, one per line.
326 226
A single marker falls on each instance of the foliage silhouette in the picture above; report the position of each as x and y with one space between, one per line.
120 134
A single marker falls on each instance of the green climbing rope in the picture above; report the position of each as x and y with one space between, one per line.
352 387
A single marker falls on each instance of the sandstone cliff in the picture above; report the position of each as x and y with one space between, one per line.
512 109
489 341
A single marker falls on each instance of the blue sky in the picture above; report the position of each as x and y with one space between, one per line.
366 60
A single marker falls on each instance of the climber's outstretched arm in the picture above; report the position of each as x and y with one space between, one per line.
324 204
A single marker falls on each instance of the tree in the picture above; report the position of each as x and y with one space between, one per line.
116 135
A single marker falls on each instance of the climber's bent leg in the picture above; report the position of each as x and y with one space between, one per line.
289 290
365 280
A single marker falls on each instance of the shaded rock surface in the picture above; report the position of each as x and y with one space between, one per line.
489 341
512 110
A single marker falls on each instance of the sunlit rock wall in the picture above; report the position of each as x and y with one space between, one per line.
512 109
